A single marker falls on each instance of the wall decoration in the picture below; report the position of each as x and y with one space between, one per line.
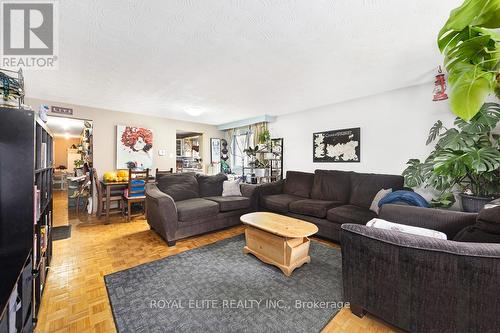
134 147
215 150
337 146
224 157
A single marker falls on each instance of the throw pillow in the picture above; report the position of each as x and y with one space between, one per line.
231 188
383 224
211 186
180 186
379 196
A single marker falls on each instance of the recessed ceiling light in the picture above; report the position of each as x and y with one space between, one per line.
194 111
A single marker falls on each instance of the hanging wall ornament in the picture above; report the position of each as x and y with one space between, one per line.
440 87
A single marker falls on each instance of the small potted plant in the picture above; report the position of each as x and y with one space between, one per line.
251 153
265 139
466 158
78 163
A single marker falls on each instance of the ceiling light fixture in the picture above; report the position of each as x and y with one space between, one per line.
194 111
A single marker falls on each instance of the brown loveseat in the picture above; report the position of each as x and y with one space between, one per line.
327 198
184 204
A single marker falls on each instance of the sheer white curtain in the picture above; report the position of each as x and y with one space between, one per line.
241 139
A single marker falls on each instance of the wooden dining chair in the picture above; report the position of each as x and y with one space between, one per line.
136 191
101 198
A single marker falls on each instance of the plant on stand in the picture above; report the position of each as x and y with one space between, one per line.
265 138
465 158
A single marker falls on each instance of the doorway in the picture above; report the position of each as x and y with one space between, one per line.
189 151
73 162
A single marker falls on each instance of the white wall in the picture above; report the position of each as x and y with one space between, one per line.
394 128
164 134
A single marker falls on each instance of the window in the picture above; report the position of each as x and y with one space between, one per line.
240 142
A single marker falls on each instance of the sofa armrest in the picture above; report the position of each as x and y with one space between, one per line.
271 188
421 284
248 190
251 191
161 212
447 221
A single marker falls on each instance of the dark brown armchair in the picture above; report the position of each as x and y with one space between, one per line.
422 284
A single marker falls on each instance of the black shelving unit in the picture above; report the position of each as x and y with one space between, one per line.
42 228
25 143
274 168
276 163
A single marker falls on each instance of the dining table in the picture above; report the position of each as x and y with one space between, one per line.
112 187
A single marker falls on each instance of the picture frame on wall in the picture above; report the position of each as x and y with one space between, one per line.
134 147
337 146
215 150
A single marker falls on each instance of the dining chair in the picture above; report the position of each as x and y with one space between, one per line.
83 192
102 202
136 191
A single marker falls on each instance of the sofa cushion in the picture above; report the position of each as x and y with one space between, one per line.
210 186
332 185
279 202
488 219
364 187
298 183
180 186
230 203
192 209
350 214
473 234
311 207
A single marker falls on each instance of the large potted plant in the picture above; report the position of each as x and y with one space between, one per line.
471 49
466 158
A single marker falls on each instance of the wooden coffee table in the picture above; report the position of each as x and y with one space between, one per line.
278 240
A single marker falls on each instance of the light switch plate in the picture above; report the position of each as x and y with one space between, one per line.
162 152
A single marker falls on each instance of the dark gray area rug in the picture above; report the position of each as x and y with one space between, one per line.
217 288
61 232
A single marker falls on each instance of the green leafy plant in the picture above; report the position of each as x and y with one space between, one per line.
265 136
466 156
472 55
251 151
78 163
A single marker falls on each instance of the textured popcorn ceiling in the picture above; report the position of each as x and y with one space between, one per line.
217 61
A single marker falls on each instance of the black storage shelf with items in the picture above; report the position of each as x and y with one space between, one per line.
25 216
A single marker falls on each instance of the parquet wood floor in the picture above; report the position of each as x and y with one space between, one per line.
75 298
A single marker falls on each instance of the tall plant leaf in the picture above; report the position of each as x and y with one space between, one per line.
445 200
484 13
485 159
484 121
434 132
477 49
413 173
469 92
450 163
455 140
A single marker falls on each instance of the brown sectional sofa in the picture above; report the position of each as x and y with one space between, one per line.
184 204
327 198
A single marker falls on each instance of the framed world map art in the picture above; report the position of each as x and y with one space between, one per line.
337 146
